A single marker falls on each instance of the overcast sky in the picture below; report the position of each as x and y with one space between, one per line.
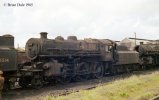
113 19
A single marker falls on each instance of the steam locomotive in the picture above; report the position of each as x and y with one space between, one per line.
70 59
149 54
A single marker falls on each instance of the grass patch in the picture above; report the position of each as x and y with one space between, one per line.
142 87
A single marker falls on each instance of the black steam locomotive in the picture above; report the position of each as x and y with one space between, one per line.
66 60
72 59
149 54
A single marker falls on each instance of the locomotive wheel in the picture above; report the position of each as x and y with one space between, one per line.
6 85
83 72
24 82
64 80
77 78
85 77
37 83
98 71
114 70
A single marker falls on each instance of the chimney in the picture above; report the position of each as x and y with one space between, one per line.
43 35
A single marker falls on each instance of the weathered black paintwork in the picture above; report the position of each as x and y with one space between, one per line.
59 47
149 54
8 55
8 60
6 41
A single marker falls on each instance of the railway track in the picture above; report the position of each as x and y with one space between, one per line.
59 89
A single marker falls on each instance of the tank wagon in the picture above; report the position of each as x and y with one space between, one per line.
72 59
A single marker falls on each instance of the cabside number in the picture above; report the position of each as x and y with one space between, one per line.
4 60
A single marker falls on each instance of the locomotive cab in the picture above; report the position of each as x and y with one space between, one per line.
108 50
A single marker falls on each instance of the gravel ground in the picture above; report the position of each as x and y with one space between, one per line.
59 89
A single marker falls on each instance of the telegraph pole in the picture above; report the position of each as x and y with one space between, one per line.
135 38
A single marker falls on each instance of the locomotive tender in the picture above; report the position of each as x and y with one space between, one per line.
8 57
8 54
